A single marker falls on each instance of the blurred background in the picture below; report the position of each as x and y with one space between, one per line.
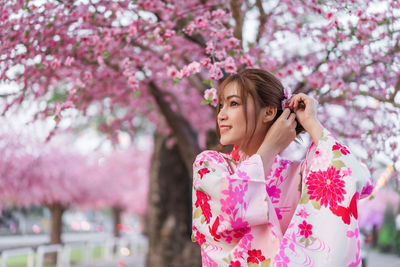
105 104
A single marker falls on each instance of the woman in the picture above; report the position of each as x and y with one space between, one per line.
254 208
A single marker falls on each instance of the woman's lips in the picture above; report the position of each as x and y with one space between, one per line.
224 129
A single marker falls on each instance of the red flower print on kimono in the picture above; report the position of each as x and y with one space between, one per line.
346 213
341 148
202 202
326 186
255 256
234 264
305 229
200 238
214 228
202 172
240 228
235 153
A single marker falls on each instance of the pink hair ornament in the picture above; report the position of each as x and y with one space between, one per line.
288 95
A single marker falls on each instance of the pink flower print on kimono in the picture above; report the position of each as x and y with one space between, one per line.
354 235
236 208
321 158
330 190
303 213
367 189
231 210
273 191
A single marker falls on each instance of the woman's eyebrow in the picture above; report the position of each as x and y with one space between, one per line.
231 96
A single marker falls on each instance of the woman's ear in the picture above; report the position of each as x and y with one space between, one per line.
268 113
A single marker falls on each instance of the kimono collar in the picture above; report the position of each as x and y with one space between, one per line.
238 155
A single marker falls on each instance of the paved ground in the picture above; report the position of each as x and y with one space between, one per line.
123 262
378 259
374 259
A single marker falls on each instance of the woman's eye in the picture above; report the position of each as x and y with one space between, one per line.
233 103
220 106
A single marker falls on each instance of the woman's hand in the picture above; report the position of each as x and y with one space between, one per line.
307 116
281 133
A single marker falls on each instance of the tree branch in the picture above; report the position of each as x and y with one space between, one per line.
382 99
9 94
396 88
263 19
236 13
183 132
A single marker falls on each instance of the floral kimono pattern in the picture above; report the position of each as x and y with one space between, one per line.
301 214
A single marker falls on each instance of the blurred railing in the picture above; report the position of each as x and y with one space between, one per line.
111 248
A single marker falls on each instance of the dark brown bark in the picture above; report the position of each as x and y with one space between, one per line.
185 135
116 216
238 17
56 210
169 219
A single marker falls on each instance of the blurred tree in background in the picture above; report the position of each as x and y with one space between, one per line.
33 173
118 61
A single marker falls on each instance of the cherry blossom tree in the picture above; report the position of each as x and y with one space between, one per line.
16 160
33 173
121 179
157 59
36 174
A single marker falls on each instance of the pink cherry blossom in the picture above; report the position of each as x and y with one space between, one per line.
89 51
194 67
172 72
230 65
68 61
211 94
55 64
206 63
201 22
215 73
133 82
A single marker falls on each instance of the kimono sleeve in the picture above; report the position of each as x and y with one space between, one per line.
332 172
226 202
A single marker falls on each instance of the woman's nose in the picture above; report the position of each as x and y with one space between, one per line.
222 115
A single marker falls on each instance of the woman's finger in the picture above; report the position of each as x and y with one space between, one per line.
301 98
285 114
292 117
294 125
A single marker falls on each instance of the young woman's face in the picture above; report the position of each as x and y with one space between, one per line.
232 122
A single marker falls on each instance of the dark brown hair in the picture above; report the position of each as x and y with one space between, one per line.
265 89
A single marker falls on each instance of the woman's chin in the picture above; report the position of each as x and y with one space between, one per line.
223 142
226 142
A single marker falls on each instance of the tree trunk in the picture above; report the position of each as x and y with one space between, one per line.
169 219
185 135
56 210
116 215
